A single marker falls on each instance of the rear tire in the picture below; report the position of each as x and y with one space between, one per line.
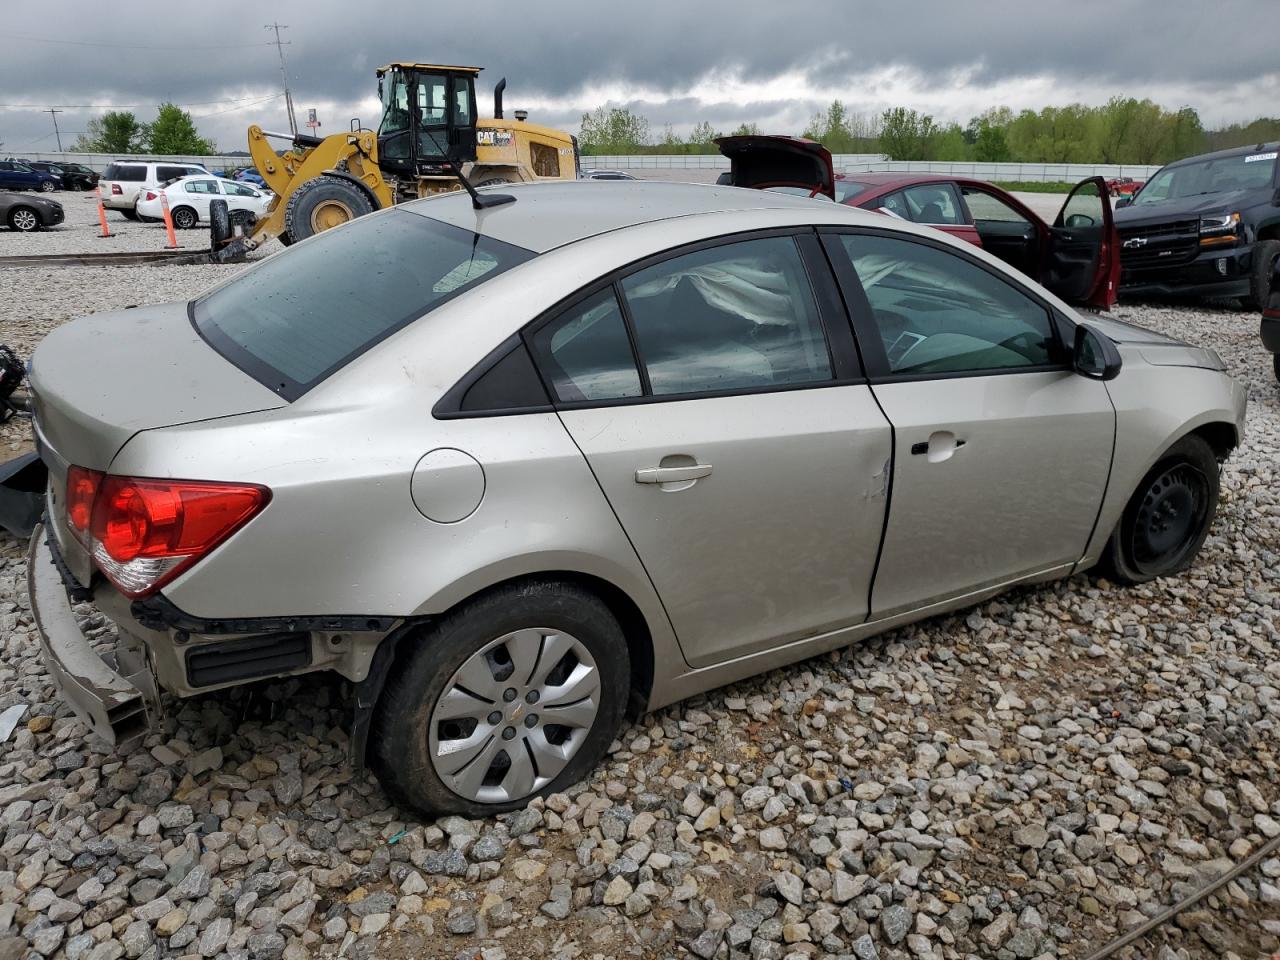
1265 255
1275 365
184 218
130 215
24 220
426 726
1168 517
47 186
322 204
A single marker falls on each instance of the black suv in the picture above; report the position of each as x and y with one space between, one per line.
75 176
1206 226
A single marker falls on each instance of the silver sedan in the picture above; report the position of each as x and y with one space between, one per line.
516 472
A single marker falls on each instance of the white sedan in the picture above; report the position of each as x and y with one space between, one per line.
189 199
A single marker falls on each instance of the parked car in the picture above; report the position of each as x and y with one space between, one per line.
1206 226
16 175
251 176
1077 257
75 176
25 214
189 199
124 181
511 474
1270 328
1123 186
605 175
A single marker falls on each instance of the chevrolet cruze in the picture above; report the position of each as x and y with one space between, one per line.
515 471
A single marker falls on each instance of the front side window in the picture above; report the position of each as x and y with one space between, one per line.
238 190
733 317
294 318
202 186
935 312
1084 208
987 206
585 353
893 204
933 203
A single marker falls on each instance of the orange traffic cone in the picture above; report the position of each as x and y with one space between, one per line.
168 221
102 213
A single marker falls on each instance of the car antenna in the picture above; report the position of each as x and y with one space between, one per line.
478 201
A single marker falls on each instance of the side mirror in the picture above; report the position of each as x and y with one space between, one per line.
1095 355
1123 202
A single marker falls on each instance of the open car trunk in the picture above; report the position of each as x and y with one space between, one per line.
774 161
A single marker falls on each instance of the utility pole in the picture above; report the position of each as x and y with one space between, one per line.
54 113
284 74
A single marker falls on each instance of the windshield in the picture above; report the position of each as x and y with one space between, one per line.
298 316
1254 171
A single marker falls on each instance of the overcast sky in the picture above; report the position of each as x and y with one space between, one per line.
725 61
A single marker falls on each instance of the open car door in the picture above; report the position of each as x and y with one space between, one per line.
1082 264
775 161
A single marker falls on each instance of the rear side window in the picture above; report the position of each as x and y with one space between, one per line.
586 353
126 172
165 173
740 316
297 317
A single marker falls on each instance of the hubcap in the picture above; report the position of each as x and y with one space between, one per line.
24 220
514 715
1169 518
183 220
329 214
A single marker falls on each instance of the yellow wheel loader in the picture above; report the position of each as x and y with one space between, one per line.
429 140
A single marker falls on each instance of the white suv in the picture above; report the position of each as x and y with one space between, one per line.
123 182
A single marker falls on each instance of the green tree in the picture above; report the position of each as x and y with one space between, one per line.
1186 135
174 132
746 130
703 133
612 130
906 134
116 131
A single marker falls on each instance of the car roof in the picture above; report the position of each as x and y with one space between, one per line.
552 214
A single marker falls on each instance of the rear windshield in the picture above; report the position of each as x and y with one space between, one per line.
849 188
297 317
127 172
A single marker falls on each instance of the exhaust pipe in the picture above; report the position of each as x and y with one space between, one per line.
497 98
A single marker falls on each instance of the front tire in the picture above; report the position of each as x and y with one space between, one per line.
322 204
24 219
1168 517
1275 365
514 695
47 186
1265 255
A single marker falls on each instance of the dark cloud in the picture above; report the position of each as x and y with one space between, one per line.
562 50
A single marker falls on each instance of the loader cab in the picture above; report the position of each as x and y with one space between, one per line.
428 118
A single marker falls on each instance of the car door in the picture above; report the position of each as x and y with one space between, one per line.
8 179
1001 452
1082 263
200 193
723 414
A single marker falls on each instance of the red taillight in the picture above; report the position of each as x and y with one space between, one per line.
150 195
144 532
82 488
115 190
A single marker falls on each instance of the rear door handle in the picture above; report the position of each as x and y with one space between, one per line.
694 471
940 446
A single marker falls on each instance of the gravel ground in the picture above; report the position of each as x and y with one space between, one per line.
1026 779
79 233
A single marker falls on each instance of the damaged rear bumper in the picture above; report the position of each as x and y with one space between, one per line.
111 704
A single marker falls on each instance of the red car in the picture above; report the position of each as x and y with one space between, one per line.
1124 186
1077 257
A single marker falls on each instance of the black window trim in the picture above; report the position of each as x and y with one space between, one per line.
833 319
868 334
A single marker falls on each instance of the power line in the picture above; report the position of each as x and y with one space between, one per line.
284 75
43 108
182 48
201 116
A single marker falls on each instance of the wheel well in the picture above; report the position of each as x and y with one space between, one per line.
1220 436
1270 232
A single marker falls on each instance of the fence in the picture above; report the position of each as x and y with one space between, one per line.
99 161
870 162
844 162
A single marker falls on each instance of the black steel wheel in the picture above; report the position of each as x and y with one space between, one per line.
1169 515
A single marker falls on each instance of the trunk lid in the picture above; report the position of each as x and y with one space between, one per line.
776 161
99 380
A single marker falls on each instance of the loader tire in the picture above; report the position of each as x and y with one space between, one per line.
496 182
321 204
219 224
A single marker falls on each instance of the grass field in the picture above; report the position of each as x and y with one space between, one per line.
1034 186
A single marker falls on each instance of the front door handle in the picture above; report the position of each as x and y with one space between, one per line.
939 447
695 471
